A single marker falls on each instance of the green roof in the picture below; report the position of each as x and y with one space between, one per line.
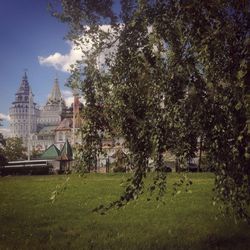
52 152
66 152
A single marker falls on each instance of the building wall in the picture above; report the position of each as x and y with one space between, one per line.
50 115
23 112
19 120
61 136
41 144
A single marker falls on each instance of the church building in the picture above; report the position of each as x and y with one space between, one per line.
22 109
51 124
52 128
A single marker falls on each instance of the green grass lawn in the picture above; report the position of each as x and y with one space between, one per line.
28 219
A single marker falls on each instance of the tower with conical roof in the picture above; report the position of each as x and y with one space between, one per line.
50 114
55 96
22 107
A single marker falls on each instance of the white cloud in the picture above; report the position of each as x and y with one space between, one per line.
66 93
63 61
68 97
60 61
69 100
4 117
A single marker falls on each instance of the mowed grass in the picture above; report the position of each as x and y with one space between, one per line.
28 219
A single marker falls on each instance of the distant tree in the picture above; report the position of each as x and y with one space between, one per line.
178 71
35 153
3 159
2 141
14 149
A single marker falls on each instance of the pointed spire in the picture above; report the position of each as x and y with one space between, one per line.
66 152
55 93
25 75
24 86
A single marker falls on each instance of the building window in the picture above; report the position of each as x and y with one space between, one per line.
60 136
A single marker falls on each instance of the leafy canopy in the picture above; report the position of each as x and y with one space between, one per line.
162 74
3 159
14 149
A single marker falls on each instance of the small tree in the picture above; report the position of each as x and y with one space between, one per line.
35 153
3 159
14 149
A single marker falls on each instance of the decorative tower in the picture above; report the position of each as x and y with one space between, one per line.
23 112
50 114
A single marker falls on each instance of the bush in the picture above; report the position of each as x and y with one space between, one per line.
119 169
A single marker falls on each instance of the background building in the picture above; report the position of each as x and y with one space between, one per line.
54 125
48 125
22 107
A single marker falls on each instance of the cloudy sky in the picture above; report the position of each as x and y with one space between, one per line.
31 39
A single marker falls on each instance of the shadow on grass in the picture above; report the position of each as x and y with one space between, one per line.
237 241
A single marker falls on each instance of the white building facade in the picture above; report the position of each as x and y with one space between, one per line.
43 122
22 109
54 123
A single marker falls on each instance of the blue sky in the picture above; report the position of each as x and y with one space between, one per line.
27 32
30 38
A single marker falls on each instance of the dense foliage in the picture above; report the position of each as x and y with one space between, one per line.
3 159
163 74
14 150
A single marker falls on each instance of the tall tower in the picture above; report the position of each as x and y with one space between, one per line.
19 112
50 114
